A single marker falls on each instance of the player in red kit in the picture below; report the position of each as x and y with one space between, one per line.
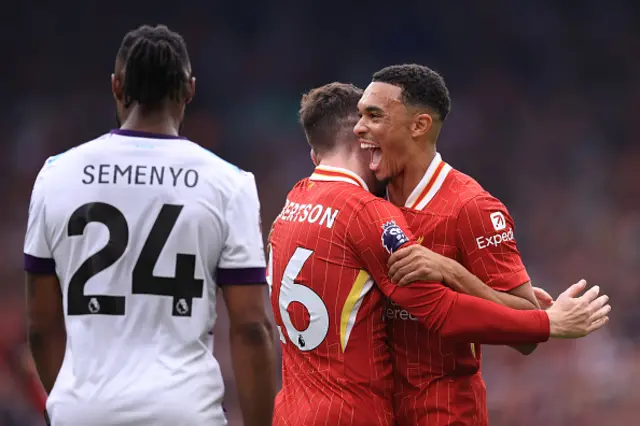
328 277
438 380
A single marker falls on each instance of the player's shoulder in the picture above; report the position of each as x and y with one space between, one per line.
219 165
220 173
59 163
463 189
469 193
333 192
347 201
371 201
302 184
353 197
297 192
369 207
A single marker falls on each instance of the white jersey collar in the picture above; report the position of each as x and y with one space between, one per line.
429 185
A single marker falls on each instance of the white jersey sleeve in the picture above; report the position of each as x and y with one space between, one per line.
242 260
38 257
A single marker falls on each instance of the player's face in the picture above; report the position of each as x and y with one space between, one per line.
384 129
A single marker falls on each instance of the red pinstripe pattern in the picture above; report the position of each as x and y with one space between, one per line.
326 386
438 382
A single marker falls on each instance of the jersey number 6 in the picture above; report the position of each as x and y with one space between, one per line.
183 287
315 333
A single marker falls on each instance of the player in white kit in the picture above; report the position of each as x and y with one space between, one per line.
129 237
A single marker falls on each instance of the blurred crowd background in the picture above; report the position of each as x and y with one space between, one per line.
544 94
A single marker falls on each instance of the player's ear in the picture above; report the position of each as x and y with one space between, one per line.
116 88
314 158
421 125
191 90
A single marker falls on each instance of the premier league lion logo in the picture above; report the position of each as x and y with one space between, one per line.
392 236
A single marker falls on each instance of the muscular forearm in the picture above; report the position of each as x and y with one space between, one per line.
48 351
254 367
463 281
514 302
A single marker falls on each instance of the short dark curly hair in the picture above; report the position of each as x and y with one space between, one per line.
421 86
326 112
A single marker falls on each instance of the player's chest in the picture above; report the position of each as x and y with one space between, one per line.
435 232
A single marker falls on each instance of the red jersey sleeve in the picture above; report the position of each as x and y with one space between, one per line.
378 229
485 237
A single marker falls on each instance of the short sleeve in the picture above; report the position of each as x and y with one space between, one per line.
486 239
242 260
38 257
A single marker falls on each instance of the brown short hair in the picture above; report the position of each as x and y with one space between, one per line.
324 112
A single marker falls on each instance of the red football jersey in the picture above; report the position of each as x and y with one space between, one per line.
327 246
336 366
438 380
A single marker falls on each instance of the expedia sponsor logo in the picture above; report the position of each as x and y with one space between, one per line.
396 312
498 221
495 240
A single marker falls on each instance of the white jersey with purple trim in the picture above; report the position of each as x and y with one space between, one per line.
140 230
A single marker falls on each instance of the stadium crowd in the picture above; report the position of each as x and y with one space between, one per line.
544 98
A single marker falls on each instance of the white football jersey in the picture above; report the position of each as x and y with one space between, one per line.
140 230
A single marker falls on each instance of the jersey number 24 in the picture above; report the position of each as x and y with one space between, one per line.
183 287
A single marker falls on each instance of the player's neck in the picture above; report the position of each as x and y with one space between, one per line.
159 122
402 185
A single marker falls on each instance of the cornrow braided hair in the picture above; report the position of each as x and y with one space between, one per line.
156 64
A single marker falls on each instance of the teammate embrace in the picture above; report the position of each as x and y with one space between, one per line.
380 304
329 284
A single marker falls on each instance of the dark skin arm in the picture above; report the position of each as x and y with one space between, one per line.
46 329
524 292
521 298
416 263
252 350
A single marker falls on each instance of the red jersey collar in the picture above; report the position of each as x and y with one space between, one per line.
337 174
